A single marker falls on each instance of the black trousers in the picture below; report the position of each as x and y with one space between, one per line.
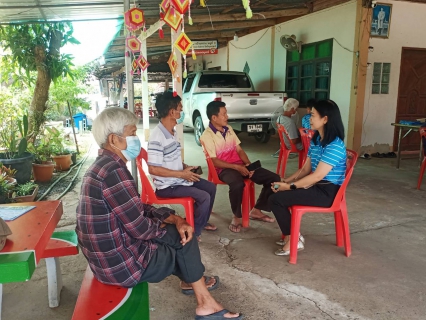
319 195
173 258
236 188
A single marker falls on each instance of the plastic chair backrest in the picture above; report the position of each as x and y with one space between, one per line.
306 137
212 175
351 158
148 193
283 131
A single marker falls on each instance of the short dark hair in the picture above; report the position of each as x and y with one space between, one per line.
164 102
334 126
311 103
213 108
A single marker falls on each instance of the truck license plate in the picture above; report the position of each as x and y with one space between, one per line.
254 128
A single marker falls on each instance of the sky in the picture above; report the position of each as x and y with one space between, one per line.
94 36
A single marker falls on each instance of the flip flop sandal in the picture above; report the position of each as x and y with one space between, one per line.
208 224
236 227
265 218
365 156
377 155
189 292
218 316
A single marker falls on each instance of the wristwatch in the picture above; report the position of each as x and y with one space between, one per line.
293 186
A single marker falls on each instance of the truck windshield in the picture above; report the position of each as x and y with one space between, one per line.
224 81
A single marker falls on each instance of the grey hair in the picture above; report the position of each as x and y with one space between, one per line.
111 120
291 103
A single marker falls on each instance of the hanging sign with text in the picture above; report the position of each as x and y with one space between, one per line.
204 47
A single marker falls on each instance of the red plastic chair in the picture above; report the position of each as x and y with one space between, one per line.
341 221
148 194
248 195
306 137
284 152
423 167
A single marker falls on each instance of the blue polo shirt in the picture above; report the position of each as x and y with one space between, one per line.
306 123
333 154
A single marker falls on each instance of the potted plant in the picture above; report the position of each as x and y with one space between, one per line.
13 144
5 188
8 174
25 192
43 165
60 155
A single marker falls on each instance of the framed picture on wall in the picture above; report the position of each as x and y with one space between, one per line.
380 22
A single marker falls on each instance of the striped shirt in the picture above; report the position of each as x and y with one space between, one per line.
114 228
291 128
333 154
165 151
306 123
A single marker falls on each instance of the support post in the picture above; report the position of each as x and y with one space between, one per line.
177 86
145 95
130 93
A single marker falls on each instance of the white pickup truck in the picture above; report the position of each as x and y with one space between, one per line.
248 110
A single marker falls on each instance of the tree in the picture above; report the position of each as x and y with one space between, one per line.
36 48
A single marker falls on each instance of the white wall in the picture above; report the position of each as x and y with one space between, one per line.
407 29
267 58
338 22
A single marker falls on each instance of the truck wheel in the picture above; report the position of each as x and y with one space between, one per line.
198 129
262 137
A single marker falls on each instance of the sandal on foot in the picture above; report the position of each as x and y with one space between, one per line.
282 242
218 316
189 292
264 218
235 228
210 227
282 252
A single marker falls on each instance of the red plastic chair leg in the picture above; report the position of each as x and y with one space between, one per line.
279 162
296 218
339 228
421 174
189 214
346 232
246 204
301 159
252 196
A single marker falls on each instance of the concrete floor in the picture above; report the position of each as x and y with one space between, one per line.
383 279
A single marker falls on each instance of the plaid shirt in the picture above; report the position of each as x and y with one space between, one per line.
115 229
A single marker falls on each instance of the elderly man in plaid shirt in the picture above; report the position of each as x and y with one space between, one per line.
126 241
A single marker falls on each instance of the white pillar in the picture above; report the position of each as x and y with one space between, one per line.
145 94
130 92
177 86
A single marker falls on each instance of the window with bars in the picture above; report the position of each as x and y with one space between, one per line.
381 77
309 73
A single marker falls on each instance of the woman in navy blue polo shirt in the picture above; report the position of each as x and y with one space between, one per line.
326 161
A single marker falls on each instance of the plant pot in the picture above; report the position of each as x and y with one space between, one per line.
43 172
63 162
21 165
28 198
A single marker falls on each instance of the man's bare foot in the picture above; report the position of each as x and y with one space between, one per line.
210 227
256 214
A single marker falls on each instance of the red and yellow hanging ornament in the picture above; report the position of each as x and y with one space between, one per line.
134 19
181 6
172 19
133 44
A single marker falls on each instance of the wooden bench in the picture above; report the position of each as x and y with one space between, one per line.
61 244
101 301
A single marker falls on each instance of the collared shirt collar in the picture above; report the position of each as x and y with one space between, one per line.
166 132
225 130
105 152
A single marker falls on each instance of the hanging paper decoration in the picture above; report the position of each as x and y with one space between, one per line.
202 3
165 4
180 5
183 43
246 5
194 57
172 19
142 63
173 64
134 19
189 13
133 44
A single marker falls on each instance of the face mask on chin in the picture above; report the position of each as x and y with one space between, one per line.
133 147
180 119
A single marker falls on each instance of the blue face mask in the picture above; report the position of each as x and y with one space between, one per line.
133 147
182 116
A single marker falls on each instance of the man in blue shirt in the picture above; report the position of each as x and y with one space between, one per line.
307 117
